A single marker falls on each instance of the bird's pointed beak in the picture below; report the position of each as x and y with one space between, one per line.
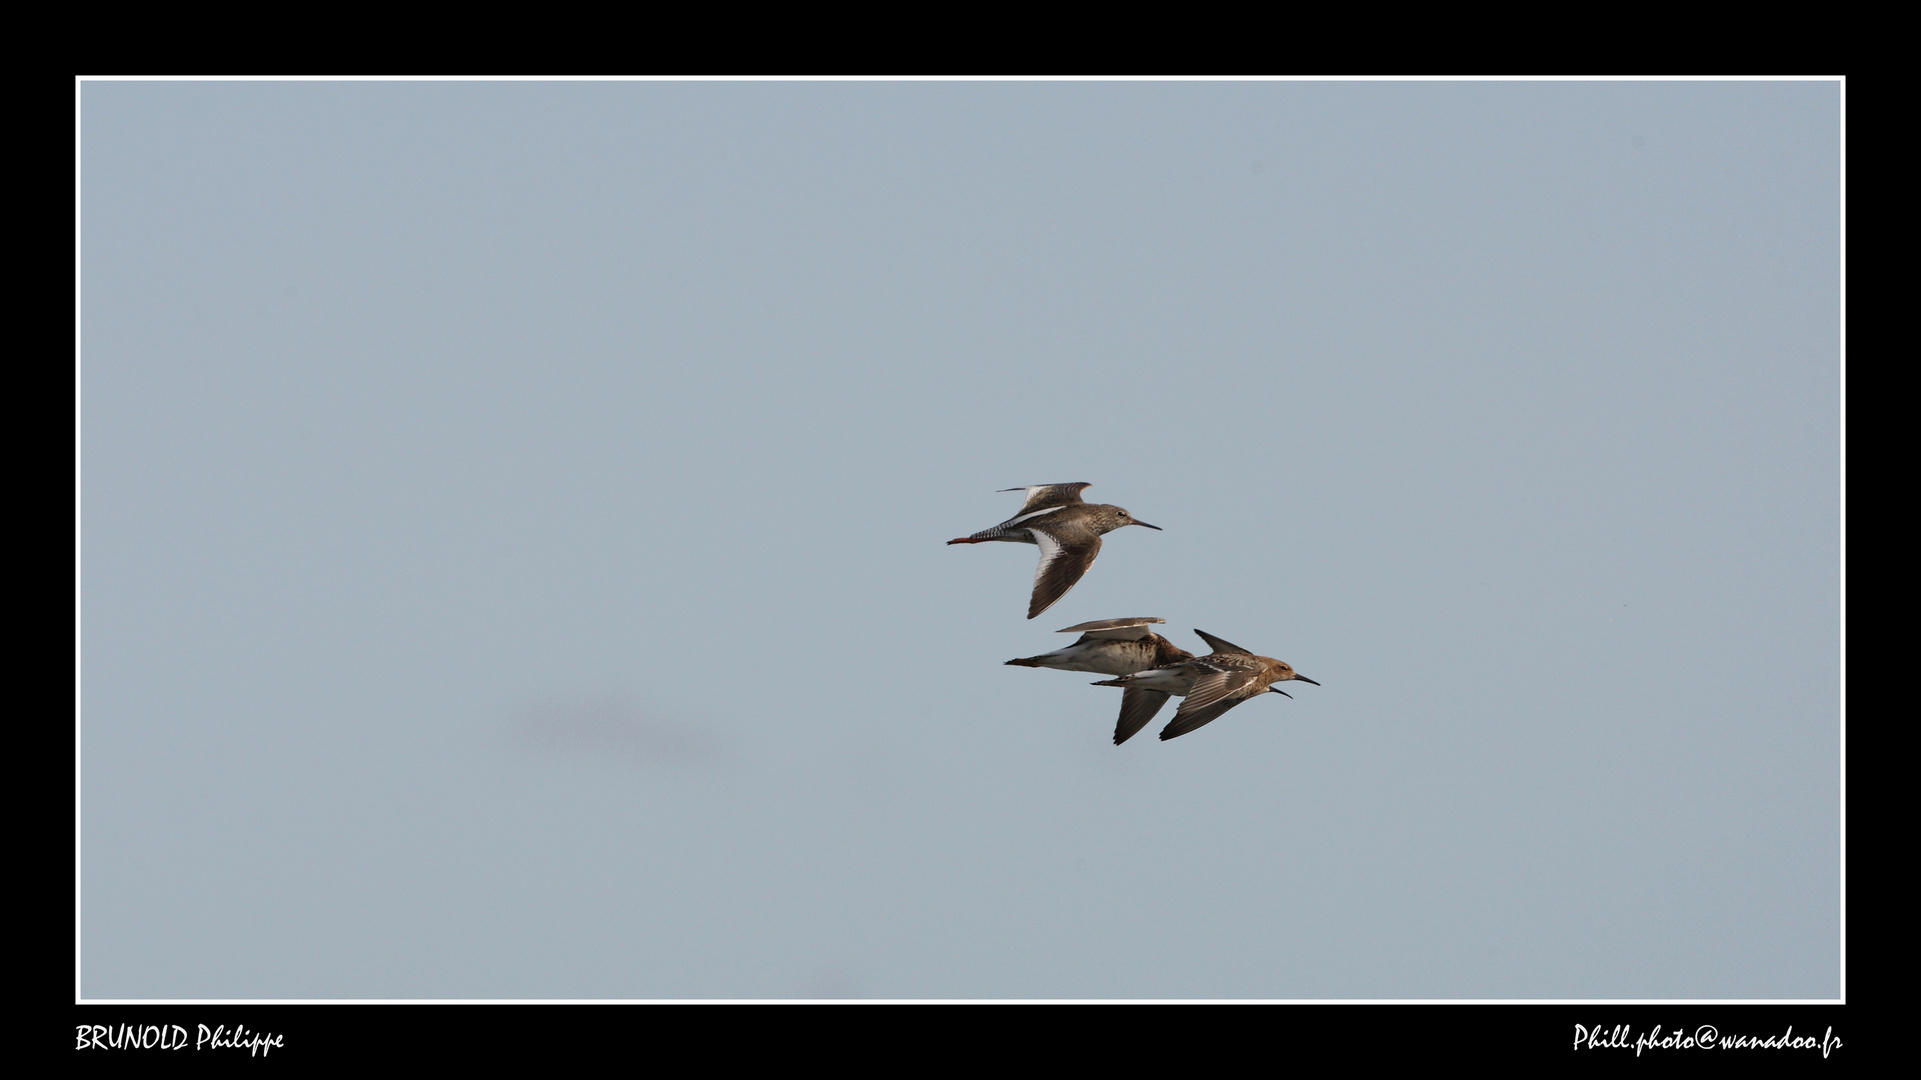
1283 693
1298 677
1156 528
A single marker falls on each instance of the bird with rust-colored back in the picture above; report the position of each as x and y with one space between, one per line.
1211 685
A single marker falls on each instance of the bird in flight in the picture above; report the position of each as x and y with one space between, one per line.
1117 647
1067 530
1211 684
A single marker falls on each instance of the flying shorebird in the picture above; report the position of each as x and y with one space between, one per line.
1067 530
1212 684
1117 647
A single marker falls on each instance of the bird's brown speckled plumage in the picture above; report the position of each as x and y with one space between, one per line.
1211 684
1117 647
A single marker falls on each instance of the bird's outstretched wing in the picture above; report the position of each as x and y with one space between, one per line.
1062 564
1138 706
1044 496
1221 646
1214 693
1186 721
1114 629
1217 685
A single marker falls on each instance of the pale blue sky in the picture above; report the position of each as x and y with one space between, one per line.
513 521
